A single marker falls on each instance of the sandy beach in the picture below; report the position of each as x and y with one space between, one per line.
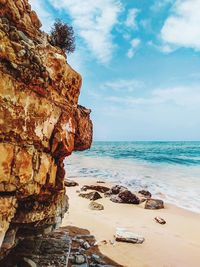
175 244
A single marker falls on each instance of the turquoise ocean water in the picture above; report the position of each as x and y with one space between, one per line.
170 170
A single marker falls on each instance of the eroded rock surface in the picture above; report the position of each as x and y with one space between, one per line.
40 123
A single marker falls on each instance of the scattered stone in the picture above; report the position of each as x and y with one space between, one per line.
70 183
99 188
81 250
78 259
95 257
145 193
160 220
85 245
96 206
125 196
78 240
122 235
154 204
91 196
97 260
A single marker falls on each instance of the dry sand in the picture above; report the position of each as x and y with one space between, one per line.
175 244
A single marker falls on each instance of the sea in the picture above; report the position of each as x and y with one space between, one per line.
169 170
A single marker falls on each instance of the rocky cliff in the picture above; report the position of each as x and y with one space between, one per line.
40 124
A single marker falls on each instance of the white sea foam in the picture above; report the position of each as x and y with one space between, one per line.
177 184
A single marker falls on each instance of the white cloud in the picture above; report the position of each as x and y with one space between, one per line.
131 18
160 4
165 48
125 85
180 96
182 27
44 16
134 44
94 20
130 53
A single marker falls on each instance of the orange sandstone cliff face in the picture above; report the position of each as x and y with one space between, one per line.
40 123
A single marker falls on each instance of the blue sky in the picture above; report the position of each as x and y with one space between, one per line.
140 63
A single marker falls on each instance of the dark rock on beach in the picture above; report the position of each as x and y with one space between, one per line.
95 206
122 235
154 204
91 196
145 193
117 189
125 196
70 183
160 220
78 259
99 188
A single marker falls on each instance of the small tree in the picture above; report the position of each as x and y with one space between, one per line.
62 35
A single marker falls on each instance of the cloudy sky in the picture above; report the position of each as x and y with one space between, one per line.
140 62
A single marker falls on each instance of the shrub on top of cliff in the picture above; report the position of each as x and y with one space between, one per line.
62 35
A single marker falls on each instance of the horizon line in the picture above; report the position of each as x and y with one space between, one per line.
146 140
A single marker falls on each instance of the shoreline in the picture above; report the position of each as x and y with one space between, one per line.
160 195
176 184
175 244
